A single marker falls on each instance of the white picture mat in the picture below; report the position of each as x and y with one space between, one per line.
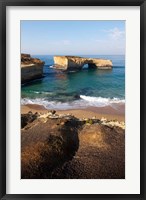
129 185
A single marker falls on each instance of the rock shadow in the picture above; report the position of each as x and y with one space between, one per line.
47 144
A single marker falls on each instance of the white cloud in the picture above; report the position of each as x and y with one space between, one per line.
116 33
113 42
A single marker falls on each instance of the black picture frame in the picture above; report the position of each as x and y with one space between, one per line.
3 99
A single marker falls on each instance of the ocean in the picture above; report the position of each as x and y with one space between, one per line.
72 90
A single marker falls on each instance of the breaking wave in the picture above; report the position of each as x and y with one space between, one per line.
100 101
83 102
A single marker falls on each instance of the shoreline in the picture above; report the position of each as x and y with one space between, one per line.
90 112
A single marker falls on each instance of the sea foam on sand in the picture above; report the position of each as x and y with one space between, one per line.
83 102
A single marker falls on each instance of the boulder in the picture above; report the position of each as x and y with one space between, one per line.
101 155
46 144
28 118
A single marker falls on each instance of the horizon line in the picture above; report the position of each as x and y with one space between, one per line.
77 54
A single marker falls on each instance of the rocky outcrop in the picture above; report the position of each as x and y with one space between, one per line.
26 59
76 63
31 68
28 118
101 155
47 143
61 146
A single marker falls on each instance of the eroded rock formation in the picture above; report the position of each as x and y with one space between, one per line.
61 146
76 63
47 143
31 68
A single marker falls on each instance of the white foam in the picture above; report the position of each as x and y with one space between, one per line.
37 92
84 102
100 101
53 104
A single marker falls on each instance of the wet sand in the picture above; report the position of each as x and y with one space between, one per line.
106 112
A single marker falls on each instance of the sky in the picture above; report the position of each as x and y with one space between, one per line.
73 37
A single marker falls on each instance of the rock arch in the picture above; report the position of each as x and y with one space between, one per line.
76 63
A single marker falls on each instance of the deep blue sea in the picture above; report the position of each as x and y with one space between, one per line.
88 87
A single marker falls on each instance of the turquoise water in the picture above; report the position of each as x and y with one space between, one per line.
88 87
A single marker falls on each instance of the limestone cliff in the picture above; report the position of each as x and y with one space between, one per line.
76 63
31 68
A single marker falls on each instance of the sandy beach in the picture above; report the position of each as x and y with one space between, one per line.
106 112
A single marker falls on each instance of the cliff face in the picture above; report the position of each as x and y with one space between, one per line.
76 63
31 68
